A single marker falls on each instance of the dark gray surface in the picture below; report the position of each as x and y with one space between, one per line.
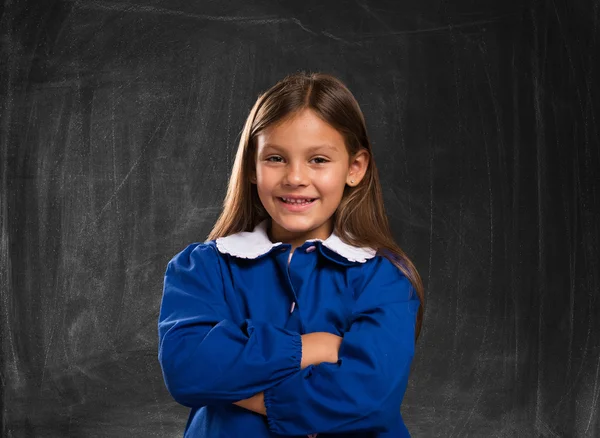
119 125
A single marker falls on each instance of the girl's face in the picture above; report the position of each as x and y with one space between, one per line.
302 167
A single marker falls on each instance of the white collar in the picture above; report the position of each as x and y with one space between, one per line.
250 245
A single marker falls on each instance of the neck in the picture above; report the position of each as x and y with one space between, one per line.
277 233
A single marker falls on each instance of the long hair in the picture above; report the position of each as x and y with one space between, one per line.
360 219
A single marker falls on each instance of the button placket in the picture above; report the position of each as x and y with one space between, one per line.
295 321
295 278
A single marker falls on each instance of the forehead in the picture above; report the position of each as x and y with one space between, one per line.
302 130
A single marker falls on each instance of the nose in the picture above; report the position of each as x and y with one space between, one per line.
296 175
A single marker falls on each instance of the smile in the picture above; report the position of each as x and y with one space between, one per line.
296 204
297 201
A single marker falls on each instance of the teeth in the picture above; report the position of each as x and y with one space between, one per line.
296 201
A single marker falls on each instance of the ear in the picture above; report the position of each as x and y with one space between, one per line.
358 167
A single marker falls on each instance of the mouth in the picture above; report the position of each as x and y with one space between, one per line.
297 201
296 205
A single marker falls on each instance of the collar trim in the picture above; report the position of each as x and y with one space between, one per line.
253 244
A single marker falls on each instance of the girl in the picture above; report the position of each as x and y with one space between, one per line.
299 315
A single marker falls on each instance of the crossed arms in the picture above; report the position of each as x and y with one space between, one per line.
309 383
317 348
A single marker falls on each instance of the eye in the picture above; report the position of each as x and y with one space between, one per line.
274 159
320 160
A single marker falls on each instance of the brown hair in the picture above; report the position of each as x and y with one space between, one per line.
360 219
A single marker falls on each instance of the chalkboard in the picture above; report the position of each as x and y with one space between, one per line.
120 121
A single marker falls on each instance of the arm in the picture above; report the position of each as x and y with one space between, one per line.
206 356
363 391
316 348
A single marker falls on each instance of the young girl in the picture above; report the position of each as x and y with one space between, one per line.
299 315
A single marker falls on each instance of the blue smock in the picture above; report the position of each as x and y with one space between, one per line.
232 314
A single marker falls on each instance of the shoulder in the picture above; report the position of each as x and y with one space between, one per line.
380 273
196 265
195 255
378 266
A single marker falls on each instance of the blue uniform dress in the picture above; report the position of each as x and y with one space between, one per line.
231 317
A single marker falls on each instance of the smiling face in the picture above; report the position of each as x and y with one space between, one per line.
302 167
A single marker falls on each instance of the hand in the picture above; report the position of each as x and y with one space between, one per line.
320 347
256 403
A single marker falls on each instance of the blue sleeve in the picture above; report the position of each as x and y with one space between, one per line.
207 357
363 391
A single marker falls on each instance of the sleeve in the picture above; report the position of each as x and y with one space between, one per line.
206 357
363 391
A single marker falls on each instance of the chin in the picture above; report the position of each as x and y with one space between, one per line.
299 224
296 225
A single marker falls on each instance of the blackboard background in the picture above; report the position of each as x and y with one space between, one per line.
119 125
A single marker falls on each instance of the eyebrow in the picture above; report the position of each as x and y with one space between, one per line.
310 149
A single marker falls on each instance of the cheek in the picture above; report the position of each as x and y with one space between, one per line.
265 180
333 183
